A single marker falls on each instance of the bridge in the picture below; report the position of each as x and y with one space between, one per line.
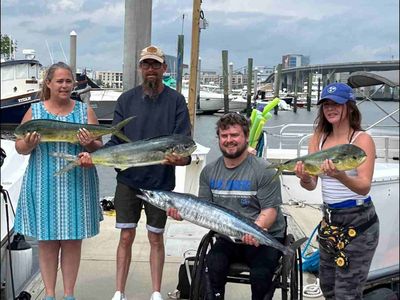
330 72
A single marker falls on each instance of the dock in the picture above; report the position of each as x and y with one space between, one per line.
96 279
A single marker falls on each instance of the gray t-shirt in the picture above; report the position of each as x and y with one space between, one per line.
246 189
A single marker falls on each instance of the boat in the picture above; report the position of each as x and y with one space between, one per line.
210 101
20 86
12 171
103 102
384 270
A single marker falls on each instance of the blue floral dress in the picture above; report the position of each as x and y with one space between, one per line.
64 207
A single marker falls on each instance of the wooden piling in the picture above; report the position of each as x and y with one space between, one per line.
194 60
277 85
296 86
309 90
179 60
249 79
225 79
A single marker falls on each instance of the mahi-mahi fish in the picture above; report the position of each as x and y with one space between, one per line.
344 157
212 216
135 154
60 131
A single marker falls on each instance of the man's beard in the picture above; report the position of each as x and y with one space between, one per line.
235 154
151 87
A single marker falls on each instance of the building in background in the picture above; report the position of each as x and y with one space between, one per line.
109 79
294 60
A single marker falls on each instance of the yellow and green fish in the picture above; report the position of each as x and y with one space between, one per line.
344 157
59 131
136 154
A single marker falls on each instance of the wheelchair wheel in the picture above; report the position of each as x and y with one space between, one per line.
296 275
199 285
286 271
294 281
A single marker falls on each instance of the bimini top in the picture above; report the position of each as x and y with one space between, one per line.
360 79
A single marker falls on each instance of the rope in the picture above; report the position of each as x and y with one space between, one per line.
309 262
312 290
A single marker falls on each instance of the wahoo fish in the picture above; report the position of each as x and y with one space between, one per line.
135 154
212 216
59 131
344 157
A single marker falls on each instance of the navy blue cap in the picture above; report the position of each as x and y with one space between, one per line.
337 92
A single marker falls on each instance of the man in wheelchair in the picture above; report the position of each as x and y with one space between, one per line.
240 181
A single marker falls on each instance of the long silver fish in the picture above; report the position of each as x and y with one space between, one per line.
59 131
136 154
212 216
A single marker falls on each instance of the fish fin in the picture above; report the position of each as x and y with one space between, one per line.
68 167
117 128
122 136
278 172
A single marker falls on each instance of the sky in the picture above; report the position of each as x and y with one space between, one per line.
327 31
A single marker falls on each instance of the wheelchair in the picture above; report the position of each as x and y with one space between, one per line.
288 276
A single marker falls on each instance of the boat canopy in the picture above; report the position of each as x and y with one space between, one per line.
361 79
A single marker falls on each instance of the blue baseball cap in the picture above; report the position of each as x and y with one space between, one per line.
337 92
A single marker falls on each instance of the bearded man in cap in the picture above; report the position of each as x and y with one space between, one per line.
158 110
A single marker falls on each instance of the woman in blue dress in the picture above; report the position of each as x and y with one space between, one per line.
59 211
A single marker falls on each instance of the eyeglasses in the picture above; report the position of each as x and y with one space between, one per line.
154 65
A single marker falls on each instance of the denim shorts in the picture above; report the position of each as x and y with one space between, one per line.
128 208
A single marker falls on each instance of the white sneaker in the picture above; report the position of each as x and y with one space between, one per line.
119 296
156 296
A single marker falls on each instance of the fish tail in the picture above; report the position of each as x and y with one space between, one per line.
116 129
68 167
291 250
68 157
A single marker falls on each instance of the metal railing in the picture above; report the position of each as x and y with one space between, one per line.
389 146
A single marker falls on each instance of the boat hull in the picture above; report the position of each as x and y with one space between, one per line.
14 108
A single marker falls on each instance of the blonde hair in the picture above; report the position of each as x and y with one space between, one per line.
45 92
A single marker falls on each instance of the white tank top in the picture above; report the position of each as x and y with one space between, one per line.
333 191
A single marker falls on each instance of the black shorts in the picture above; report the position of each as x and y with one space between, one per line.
128 208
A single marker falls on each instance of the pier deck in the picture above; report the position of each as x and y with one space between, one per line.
96 280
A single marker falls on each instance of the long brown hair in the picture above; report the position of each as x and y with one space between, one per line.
322 126
45 92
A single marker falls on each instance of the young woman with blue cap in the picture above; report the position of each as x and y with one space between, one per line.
349 231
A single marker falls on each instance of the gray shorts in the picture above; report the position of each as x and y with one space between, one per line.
128 208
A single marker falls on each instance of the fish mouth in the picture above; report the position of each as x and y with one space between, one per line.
192 148
144 194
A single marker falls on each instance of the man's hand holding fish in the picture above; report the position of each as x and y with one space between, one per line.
175 159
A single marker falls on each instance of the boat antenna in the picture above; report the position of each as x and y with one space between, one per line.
62 50
48 49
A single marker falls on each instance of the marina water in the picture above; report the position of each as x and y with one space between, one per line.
205 133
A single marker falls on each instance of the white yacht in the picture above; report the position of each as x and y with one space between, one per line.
20 86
